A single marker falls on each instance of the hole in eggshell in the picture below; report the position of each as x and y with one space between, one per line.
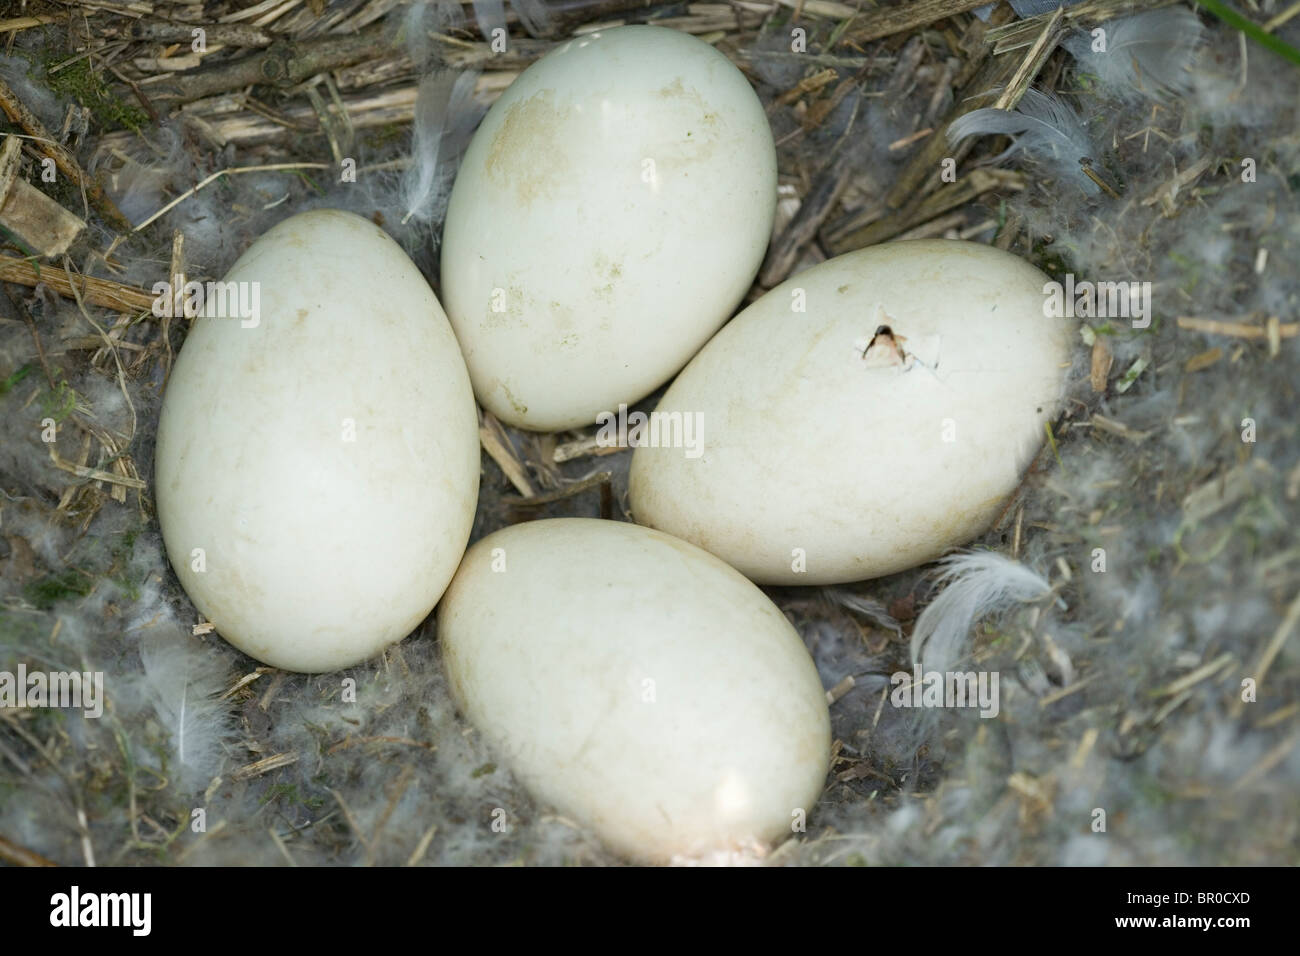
886 348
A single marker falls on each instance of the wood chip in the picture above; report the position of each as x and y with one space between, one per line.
492 436
1102 359
1203 360
44 225
1116 428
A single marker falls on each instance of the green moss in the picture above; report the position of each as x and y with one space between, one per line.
290 795
60 401
277 791
128 587
1191 271
45 592
310 183
20 374
79 82
120 570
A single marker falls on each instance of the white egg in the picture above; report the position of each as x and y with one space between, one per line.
610 213
317 461
824 456
638 685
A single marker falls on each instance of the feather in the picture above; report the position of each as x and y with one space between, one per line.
1042 127
424 17
29 82
445 115
873 611
534 15
416 33
184 685
1149 54
490 15
976 584
140 175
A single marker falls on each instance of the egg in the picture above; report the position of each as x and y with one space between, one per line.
638 685
317 460
862 417
608 216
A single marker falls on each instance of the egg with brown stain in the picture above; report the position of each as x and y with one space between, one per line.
609 214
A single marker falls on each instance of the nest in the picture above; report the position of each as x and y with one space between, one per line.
1153 688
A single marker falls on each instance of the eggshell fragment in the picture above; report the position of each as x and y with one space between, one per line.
862 417
638 685
609 214
317 464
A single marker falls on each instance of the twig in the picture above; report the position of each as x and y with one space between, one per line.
422 847
492 437
279 845
1269 652
1238 329
16 855
903 17
117 358
223 34
14 24
399 789
1187 681
352 820
101 292
1033 62
1266 763
94 474
582 447
600 478
282 64
975 183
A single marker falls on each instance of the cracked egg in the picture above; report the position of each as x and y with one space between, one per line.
885 423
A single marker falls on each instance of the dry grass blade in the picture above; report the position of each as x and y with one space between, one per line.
101 292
